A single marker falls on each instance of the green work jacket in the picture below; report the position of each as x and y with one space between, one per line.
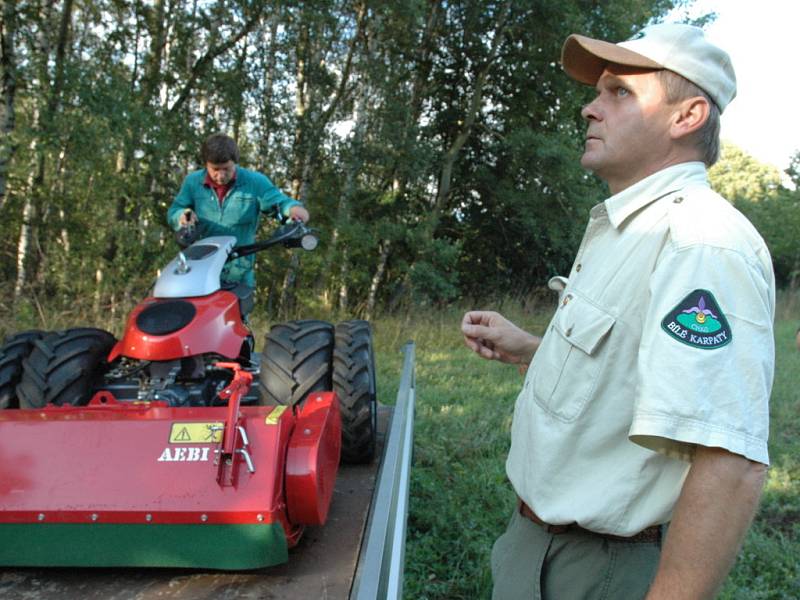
251 195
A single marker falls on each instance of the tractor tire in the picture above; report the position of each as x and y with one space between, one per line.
14 350
64 368
296 361
354 383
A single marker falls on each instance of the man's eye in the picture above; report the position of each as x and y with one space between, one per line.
621 91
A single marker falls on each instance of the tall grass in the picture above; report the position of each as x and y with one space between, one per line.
461 499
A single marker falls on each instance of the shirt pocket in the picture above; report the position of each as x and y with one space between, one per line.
240 210
569 362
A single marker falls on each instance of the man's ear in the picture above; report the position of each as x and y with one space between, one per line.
689 116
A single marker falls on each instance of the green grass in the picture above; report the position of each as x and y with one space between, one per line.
461 499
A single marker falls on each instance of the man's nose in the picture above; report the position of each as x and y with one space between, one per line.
590 111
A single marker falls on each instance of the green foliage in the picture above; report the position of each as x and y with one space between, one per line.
739 176
757 191
793 172
355 107
433 275
777 218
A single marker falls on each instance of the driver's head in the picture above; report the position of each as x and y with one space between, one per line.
220 154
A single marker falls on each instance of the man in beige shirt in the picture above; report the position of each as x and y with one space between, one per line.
646 401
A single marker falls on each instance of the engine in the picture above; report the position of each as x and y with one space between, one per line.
189 381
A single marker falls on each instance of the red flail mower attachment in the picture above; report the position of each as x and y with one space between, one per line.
144 484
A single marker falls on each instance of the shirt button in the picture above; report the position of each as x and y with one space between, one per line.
678 200
578 268
568 332
566 300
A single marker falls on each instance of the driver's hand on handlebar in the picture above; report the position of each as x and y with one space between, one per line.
188 217
298 213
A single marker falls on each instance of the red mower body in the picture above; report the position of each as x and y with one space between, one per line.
216 326
159 450
150 485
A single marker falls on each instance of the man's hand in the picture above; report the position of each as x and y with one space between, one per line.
494 337
298 213
188 217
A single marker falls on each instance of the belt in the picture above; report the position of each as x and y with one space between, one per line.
650 535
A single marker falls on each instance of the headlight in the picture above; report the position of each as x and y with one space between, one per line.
309 241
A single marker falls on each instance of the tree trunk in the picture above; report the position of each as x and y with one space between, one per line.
301 103
376 279
44 132
23 247
475 103
423 66
239 110
287 300
158 40
266 112
309 131
344 273
300 165
200 66
98 288
61 53
8 88
46 222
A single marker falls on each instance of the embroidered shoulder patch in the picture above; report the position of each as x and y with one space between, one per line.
698 321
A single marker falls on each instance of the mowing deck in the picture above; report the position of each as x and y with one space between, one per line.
322 566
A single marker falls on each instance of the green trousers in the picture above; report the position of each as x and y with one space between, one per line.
529 563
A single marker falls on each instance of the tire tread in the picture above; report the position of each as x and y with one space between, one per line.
13 353
296 361
63 367
354 383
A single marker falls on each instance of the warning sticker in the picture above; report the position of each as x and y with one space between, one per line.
196 433
275 415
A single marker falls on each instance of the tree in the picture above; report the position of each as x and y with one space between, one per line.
757 191
793 172
739 176
435 143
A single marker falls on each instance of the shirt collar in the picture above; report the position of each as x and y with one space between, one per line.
622 205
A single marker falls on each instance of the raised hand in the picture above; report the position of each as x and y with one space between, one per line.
494 337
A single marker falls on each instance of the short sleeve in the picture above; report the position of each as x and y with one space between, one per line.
706 359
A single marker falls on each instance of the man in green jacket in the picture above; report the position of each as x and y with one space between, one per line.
225 199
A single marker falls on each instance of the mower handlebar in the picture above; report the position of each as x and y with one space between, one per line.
291 235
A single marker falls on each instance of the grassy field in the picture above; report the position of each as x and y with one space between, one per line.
461 499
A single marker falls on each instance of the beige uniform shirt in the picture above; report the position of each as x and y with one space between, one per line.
662 340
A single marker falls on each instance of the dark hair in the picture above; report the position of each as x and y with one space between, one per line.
679 88
219 148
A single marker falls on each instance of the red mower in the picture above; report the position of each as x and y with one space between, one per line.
177 445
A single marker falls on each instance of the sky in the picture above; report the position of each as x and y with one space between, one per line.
763 40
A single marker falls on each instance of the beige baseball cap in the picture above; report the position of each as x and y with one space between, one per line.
683 49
